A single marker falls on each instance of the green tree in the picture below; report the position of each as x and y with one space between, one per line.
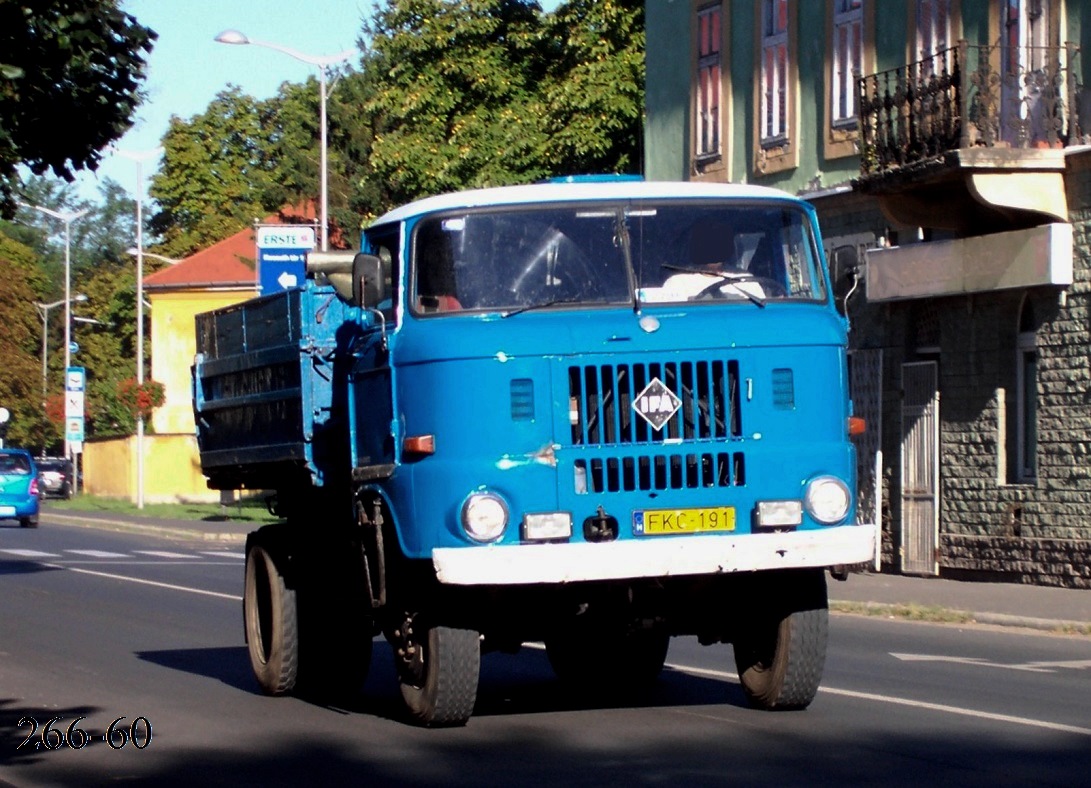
20 372
217 173
455 94
594 95
70 72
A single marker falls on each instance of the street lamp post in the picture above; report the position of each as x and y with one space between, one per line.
322 62
43 312
140 157
67 218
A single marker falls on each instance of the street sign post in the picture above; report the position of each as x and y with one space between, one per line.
282 251
75 384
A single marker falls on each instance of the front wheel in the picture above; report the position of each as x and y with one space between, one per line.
270 620
438 669
780 648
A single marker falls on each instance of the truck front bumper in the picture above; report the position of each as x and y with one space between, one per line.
654 557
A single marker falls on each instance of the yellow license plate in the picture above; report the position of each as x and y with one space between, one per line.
683 521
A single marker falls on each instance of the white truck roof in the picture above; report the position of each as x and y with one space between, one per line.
565 191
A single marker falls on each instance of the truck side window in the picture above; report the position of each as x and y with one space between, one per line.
385 246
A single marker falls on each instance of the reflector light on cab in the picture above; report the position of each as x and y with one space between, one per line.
857 425
419 444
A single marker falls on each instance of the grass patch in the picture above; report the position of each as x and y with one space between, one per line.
906 612
248 510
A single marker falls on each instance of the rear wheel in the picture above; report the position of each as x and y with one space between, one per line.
780 648
270 619
438 669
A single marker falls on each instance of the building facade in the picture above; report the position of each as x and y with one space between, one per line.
942 143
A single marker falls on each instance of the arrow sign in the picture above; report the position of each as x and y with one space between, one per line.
286 280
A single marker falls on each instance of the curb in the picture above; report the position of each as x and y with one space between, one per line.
144 528
956 616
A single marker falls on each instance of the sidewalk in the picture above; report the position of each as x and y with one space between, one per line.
1003 604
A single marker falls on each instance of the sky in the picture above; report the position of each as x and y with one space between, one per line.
187 67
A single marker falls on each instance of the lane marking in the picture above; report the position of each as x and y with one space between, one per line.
99 553
224 554
916 704
29 553
141 581
1030 667
164 554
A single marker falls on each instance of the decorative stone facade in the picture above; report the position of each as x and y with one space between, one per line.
994 522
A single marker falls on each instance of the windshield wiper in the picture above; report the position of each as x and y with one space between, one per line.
726 279
552 302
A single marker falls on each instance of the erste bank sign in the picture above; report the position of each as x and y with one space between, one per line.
282 255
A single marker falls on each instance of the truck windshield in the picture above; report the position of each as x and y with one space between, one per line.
517 258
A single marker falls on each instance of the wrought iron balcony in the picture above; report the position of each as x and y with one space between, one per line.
966 96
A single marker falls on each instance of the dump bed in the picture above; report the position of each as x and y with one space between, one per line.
263 383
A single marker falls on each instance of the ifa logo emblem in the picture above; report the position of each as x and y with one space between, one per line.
656 404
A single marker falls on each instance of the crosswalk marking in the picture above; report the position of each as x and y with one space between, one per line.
28 553
224 554
165 554
99 553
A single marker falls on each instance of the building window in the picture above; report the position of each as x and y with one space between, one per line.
774 71
709 81
848 60
1026 408
776 88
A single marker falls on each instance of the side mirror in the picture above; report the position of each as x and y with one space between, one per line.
370 281
844 271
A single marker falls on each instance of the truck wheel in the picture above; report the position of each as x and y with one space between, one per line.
780 650
269 618
634 660
438 671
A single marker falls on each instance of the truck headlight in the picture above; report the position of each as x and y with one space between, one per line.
484 516
827 499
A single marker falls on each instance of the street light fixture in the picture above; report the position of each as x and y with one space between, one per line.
43 312
140 254
323 62
139 157
67 218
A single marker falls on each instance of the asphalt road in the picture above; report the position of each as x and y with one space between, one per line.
102 625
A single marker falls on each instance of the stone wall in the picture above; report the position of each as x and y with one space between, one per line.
991 525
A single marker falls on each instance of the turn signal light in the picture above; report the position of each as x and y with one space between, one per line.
857 426
419 444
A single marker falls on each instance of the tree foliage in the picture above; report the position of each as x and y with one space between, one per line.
70 72
217 174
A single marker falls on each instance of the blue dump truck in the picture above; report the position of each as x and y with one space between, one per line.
589 414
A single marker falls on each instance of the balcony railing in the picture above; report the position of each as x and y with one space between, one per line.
968 95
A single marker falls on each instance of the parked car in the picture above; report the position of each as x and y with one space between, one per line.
55 477
19 490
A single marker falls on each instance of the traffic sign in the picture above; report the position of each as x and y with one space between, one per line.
73 428
75 379
73 347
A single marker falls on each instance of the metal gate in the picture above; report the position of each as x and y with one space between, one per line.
920 469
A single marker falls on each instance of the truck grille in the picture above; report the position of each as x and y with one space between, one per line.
660 472
601 397
602 418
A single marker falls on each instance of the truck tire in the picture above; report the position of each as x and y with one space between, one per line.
439 677
270 621
632 660
780 649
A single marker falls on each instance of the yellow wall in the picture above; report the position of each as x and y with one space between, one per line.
174 344
172 467
172 470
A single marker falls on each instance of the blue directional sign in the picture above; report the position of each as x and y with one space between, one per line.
282 255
